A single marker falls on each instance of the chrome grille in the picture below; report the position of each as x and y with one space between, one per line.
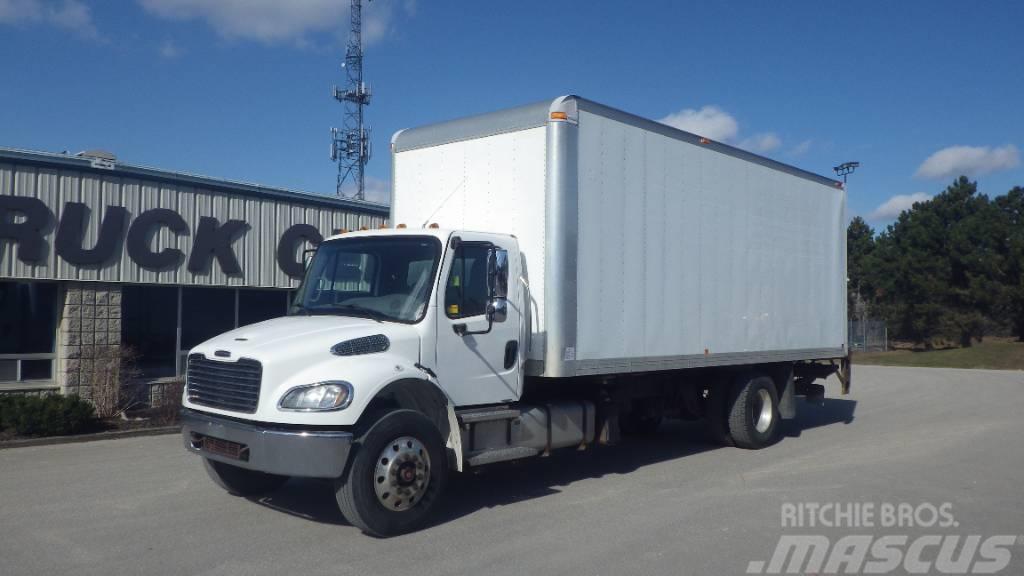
231 386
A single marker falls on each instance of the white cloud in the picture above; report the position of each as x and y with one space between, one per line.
169 50
801 148
12 11
710 121
761 143
968 160
377 190
273 21
68 14
891 208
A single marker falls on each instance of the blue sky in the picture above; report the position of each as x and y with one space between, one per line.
918 92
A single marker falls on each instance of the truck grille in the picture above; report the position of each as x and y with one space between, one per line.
227 385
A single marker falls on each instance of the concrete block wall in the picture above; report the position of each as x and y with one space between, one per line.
90 327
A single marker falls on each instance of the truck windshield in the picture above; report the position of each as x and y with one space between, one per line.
385 278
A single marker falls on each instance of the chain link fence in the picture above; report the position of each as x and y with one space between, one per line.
869 335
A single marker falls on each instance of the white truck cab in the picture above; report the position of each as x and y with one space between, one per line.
593 273
429 314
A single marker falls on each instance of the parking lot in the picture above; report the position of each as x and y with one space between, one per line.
671 504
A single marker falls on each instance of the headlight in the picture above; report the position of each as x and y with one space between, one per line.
322 396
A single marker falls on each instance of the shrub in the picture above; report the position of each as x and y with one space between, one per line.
112 370
168 405
52 415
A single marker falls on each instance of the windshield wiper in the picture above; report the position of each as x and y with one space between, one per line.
298 308
364 311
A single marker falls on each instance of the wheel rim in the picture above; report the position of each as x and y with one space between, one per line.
763 413
402 474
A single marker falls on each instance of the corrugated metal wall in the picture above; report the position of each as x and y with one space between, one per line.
256 250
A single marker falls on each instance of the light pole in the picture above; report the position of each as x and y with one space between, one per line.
845 169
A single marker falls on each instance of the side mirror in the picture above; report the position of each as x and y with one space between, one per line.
307 257
497 309
497 273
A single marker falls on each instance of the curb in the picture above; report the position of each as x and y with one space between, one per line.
112 435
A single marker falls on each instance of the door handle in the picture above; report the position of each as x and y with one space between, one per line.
511 350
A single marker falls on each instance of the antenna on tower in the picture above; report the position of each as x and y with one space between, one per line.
350 144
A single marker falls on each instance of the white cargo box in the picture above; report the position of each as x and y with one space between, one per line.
644 247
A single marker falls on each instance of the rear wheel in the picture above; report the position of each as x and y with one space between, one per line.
396 477
754 412
240 481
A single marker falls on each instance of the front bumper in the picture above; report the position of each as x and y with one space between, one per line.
288 452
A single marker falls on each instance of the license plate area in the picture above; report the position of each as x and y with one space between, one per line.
224 448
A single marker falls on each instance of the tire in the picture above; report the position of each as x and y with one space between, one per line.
754 412
240 481
396 477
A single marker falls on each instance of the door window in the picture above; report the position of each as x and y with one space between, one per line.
466 294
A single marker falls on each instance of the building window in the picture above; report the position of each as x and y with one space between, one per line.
205 313
28 328
153 326
149 326
259 305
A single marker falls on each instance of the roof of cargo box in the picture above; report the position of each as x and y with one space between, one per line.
538 114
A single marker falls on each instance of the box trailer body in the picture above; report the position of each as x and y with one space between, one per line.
555 275
644 247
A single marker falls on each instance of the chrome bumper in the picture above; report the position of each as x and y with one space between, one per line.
312 454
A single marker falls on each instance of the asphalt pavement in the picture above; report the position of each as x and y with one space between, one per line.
668 504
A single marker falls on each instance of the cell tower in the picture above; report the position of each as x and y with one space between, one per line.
350 144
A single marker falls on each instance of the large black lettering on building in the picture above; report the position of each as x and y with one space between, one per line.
27 233
214 240
26 221
71 233
286 248
141 233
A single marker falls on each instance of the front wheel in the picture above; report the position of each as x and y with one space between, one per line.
240 481
396 477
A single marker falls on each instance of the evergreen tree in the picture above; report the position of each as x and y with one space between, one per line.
1011 231
935 271
860 243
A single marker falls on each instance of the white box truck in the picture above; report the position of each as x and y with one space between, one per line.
554 275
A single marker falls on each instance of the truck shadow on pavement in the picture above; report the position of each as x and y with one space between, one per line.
511 482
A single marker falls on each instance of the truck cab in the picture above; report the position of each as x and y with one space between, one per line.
398 323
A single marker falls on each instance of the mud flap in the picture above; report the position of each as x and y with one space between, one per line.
845 373
787 399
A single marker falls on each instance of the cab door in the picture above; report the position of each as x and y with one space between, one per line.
478 354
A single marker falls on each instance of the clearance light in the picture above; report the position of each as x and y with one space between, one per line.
343 231
362 228
433 225
382 227
704 140
559 116
400 226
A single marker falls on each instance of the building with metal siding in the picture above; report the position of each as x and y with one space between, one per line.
99 257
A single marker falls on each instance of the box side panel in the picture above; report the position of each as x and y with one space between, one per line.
687 255
490 184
